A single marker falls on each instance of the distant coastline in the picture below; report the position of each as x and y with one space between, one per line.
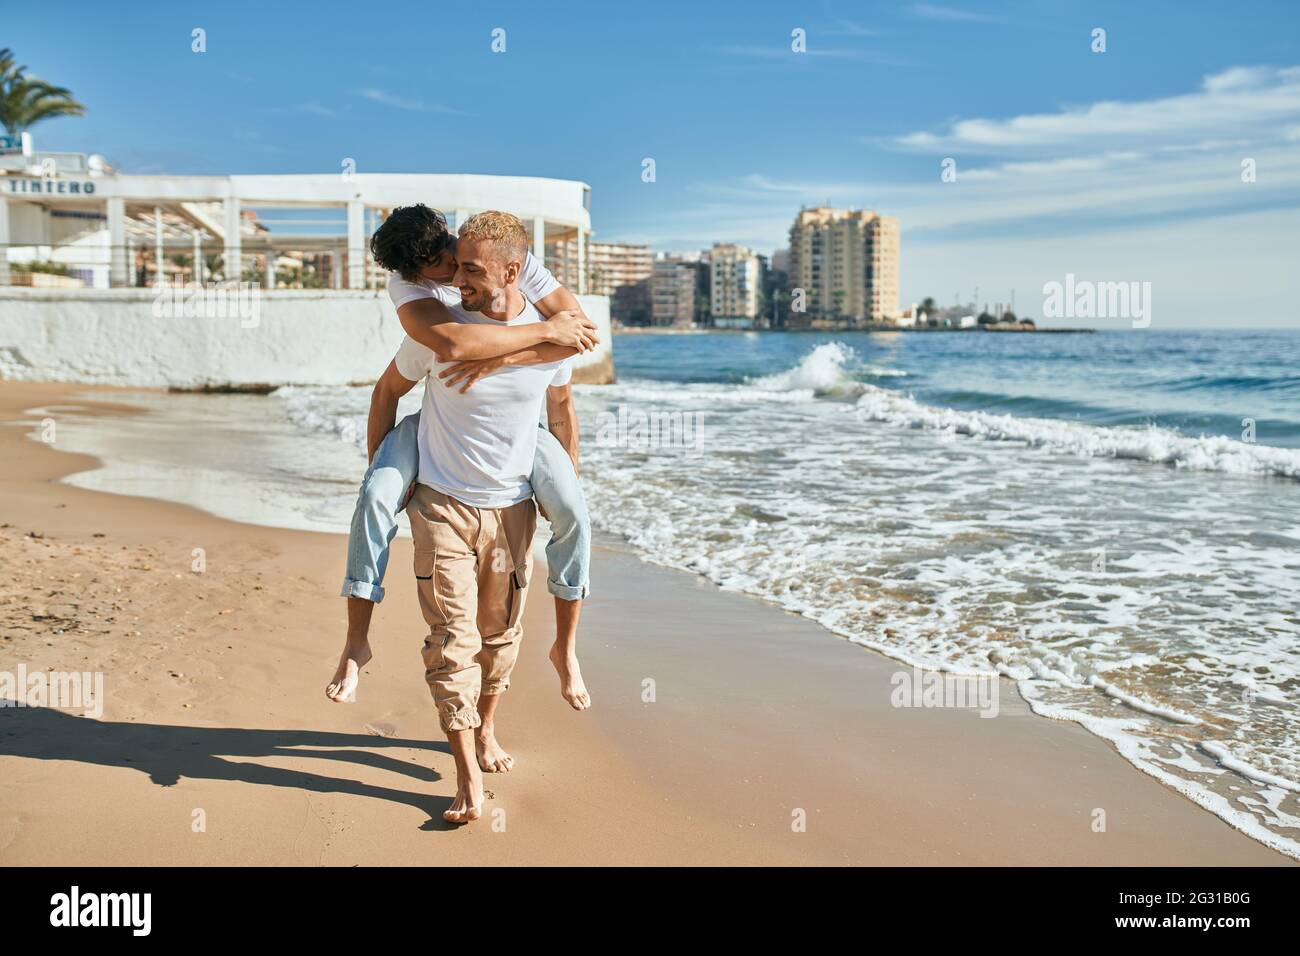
670 330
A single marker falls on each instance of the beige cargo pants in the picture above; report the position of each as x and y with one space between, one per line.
472 567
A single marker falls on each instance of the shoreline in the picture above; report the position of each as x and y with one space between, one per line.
734 743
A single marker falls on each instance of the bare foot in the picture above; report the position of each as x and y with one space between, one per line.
572 688
468 804
343 688
491 758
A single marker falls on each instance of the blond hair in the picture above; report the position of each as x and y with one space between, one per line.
499 228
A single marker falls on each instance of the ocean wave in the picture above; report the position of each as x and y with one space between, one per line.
1236 383
829 372
695 396
1149 443
822 372
337 411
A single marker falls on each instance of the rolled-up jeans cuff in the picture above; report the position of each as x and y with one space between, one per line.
567 592
362 589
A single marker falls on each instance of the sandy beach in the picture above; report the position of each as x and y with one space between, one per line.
214 712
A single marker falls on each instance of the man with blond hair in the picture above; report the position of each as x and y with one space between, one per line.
472 514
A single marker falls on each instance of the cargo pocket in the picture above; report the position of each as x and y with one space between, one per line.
425 586
518 593
424 567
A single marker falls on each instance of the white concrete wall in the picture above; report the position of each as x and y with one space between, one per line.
292 337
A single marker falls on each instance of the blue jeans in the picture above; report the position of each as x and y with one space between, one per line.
388 482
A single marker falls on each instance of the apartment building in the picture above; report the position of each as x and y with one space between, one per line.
617 269
846 264
672 290
609 264
735 278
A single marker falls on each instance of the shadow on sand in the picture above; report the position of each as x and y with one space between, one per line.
167 753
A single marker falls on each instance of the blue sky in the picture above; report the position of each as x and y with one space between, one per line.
1122 165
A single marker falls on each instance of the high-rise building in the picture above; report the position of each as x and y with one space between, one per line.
609 264
846 264
616 269
776 290
672 291
735 279
630 303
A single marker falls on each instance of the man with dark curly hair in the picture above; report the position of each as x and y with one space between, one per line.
415 244
411 238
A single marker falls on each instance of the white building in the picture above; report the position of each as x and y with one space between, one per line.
87 238
65 207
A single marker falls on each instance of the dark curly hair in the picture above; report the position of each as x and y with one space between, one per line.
409 239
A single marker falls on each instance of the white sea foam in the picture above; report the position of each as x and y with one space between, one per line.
1151 443
1224 756
821 372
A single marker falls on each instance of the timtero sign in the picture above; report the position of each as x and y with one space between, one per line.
74 187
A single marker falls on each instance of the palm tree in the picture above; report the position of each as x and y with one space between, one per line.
26 100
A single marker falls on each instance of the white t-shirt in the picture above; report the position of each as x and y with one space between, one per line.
478 446
535 283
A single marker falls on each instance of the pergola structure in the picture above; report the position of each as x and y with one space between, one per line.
36 203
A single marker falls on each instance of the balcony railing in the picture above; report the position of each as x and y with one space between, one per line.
137 266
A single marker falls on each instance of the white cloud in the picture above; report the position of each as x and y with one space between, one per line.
851 28
403 103
782 53
1068 166
1240 101
1238 78
316 110
933 11
814 52
1068 196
